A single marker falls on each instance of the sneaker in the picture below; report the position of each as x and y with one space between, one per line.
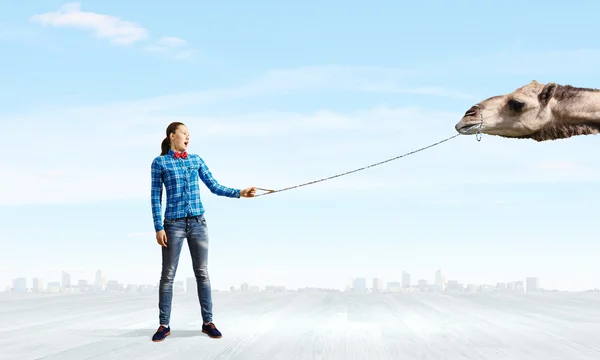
211 330
161 333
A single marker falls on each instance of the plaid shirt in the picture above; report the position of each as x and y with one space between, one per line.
180 178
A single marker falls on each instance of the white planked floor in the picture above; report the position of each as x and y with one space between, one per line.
290 326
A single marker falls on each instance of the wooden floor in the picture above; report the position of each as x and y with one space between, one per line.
290 326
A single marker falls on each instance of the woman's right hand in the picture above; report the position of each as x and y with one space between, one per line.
161 238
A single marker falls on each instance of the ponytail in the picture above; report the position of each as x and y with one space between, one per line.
165 146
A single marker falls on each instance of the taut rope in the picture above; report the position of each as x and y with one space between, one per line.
268 191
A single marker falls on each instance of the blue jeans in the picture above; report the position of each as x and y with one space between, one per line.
195 230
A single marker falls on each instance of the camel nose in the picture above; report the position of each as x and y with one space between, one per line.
472 111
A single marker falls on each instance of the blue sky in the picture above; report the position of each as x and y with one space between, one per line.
278 94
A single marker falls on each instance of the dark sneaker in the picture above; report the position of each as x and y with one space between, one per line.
161 333
211 330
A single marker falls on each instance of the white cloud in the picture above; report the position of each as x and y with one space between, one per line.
117 30
104 26
173 46
170 42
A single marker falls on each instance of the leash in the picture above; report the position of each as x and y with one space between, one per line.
269 191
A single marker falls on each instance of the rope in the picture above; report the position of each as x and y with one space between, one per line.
268 191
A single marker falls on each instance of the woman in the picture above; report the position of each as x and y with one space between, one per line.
184 218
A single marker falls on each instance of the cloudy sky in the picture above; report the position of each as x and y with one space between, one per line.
276 95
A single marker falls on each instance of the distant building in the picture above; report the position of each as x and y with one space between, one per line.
20 285
66 280
38 285
99 281
274 288
146 288
454 285
440 281
515 286
394 286
405 280
487 288
377 284
422 285
533 284
360 285
83 286
54 286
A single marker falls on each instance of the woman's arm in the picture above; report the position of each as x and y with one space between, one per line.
213 185
156 190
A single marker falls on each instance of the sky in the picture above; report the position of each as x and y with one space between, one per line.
277 94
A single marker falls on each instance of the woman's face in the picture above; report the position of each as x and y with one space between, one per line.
180 139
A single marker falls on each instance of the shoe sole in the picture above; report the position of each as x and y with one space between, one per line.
159 340
214 337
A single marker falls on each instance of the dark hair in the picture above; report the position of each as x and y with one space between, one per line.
165 146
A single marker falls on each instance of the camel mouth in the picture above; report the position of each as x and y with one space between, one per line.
469 129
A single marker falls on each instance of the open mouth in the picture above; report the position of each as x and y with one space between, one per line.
469 129
186 143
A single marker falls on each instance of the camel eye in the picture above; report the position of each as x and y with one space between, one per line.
516 105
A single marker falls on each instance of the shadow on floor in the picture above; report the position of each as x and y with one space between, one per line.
149 332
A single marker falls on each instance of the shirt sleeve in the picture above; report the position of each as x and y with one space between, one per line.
212 184
156 194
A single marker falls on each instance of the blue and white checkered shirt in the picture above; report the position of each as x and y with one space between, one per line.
180 178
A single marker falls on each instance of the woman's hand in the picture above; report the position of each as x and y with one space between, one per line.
248 192
161 238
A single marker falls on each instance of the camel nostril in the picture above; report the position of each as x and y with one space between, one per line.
472 111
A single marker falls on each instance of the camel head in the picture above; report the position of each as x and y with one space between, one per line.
519 114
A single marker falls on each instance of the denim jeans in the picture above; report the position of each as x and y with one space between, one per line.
195 230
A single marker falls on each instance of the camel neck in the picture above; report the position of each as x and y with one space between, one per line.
576 112
577 106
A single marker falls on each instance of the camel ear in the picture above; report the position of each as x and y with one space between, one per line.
547 93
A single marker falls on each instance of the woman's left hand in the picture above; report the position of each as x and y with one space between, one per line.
248 192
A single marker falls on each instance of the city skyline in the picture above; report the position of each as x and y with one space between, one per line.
441 282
